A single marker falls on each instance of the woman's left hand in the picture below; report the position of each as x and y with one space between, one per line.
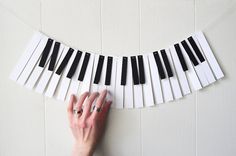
87 126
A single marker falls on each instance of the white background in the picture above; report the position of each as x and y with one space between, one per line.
201 124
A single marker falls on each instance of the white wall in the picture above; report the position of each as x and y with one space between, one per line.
202 124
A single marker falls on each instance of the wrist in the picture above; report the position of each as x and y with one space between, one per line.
82 151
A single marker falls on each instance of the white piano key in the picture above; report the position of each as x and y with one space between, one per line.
119 89
75 83
62 90
138 93
94 87
73 89
179 71
65 81
201 75
29 50
32 62
138 96
87 77
156 85
205 65
174 80
191 74
166 87
147 86
47 74
128 88
199 70
36 73
52 85
208 72
209 57
101 85
112 86
43 81
55 77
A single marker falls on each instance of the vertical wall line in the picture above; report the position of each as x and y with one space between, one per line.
44 100
196 97
140 111
45 135
101 27
40 16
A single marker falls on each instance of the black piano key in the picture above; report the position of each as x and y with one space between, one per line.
74 64
84 67
196 49
141 69
54 56
190 53
124 70
45 54
108 70
134 70
167 63
181 57
64 61
99 69
159 65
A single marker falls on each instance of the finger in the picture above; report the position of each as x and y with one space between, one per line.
88 104
79 103
105 110
81 100
100 102
70 107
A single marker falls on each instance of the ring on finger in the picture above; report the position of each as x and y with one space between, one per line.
98 109
77 112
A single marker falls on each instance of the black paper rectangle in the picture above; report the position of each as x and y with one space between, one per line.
124 70
74 64
99 69
181 57
196 49
46 52
109 70
190 53
167 63
64 61
134 70
141 69
159 65
84 66
54 56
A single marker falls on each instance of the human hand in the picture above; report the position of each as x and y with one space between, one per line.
87 127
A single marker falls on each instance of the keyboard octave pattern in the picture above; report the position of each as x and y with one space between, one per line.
56 70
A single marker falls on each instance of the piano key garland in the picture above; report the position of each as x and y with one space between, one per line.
56 70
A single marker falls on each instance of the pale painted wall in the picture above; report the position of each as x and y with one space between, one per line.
202 124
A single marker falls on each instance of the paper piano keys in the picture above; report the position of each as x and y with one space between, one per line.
56 70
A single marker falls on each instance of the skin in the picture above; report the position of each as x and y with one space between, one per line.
87 127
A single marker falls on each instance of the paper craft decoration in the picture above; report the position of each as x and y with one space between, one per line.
56 70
